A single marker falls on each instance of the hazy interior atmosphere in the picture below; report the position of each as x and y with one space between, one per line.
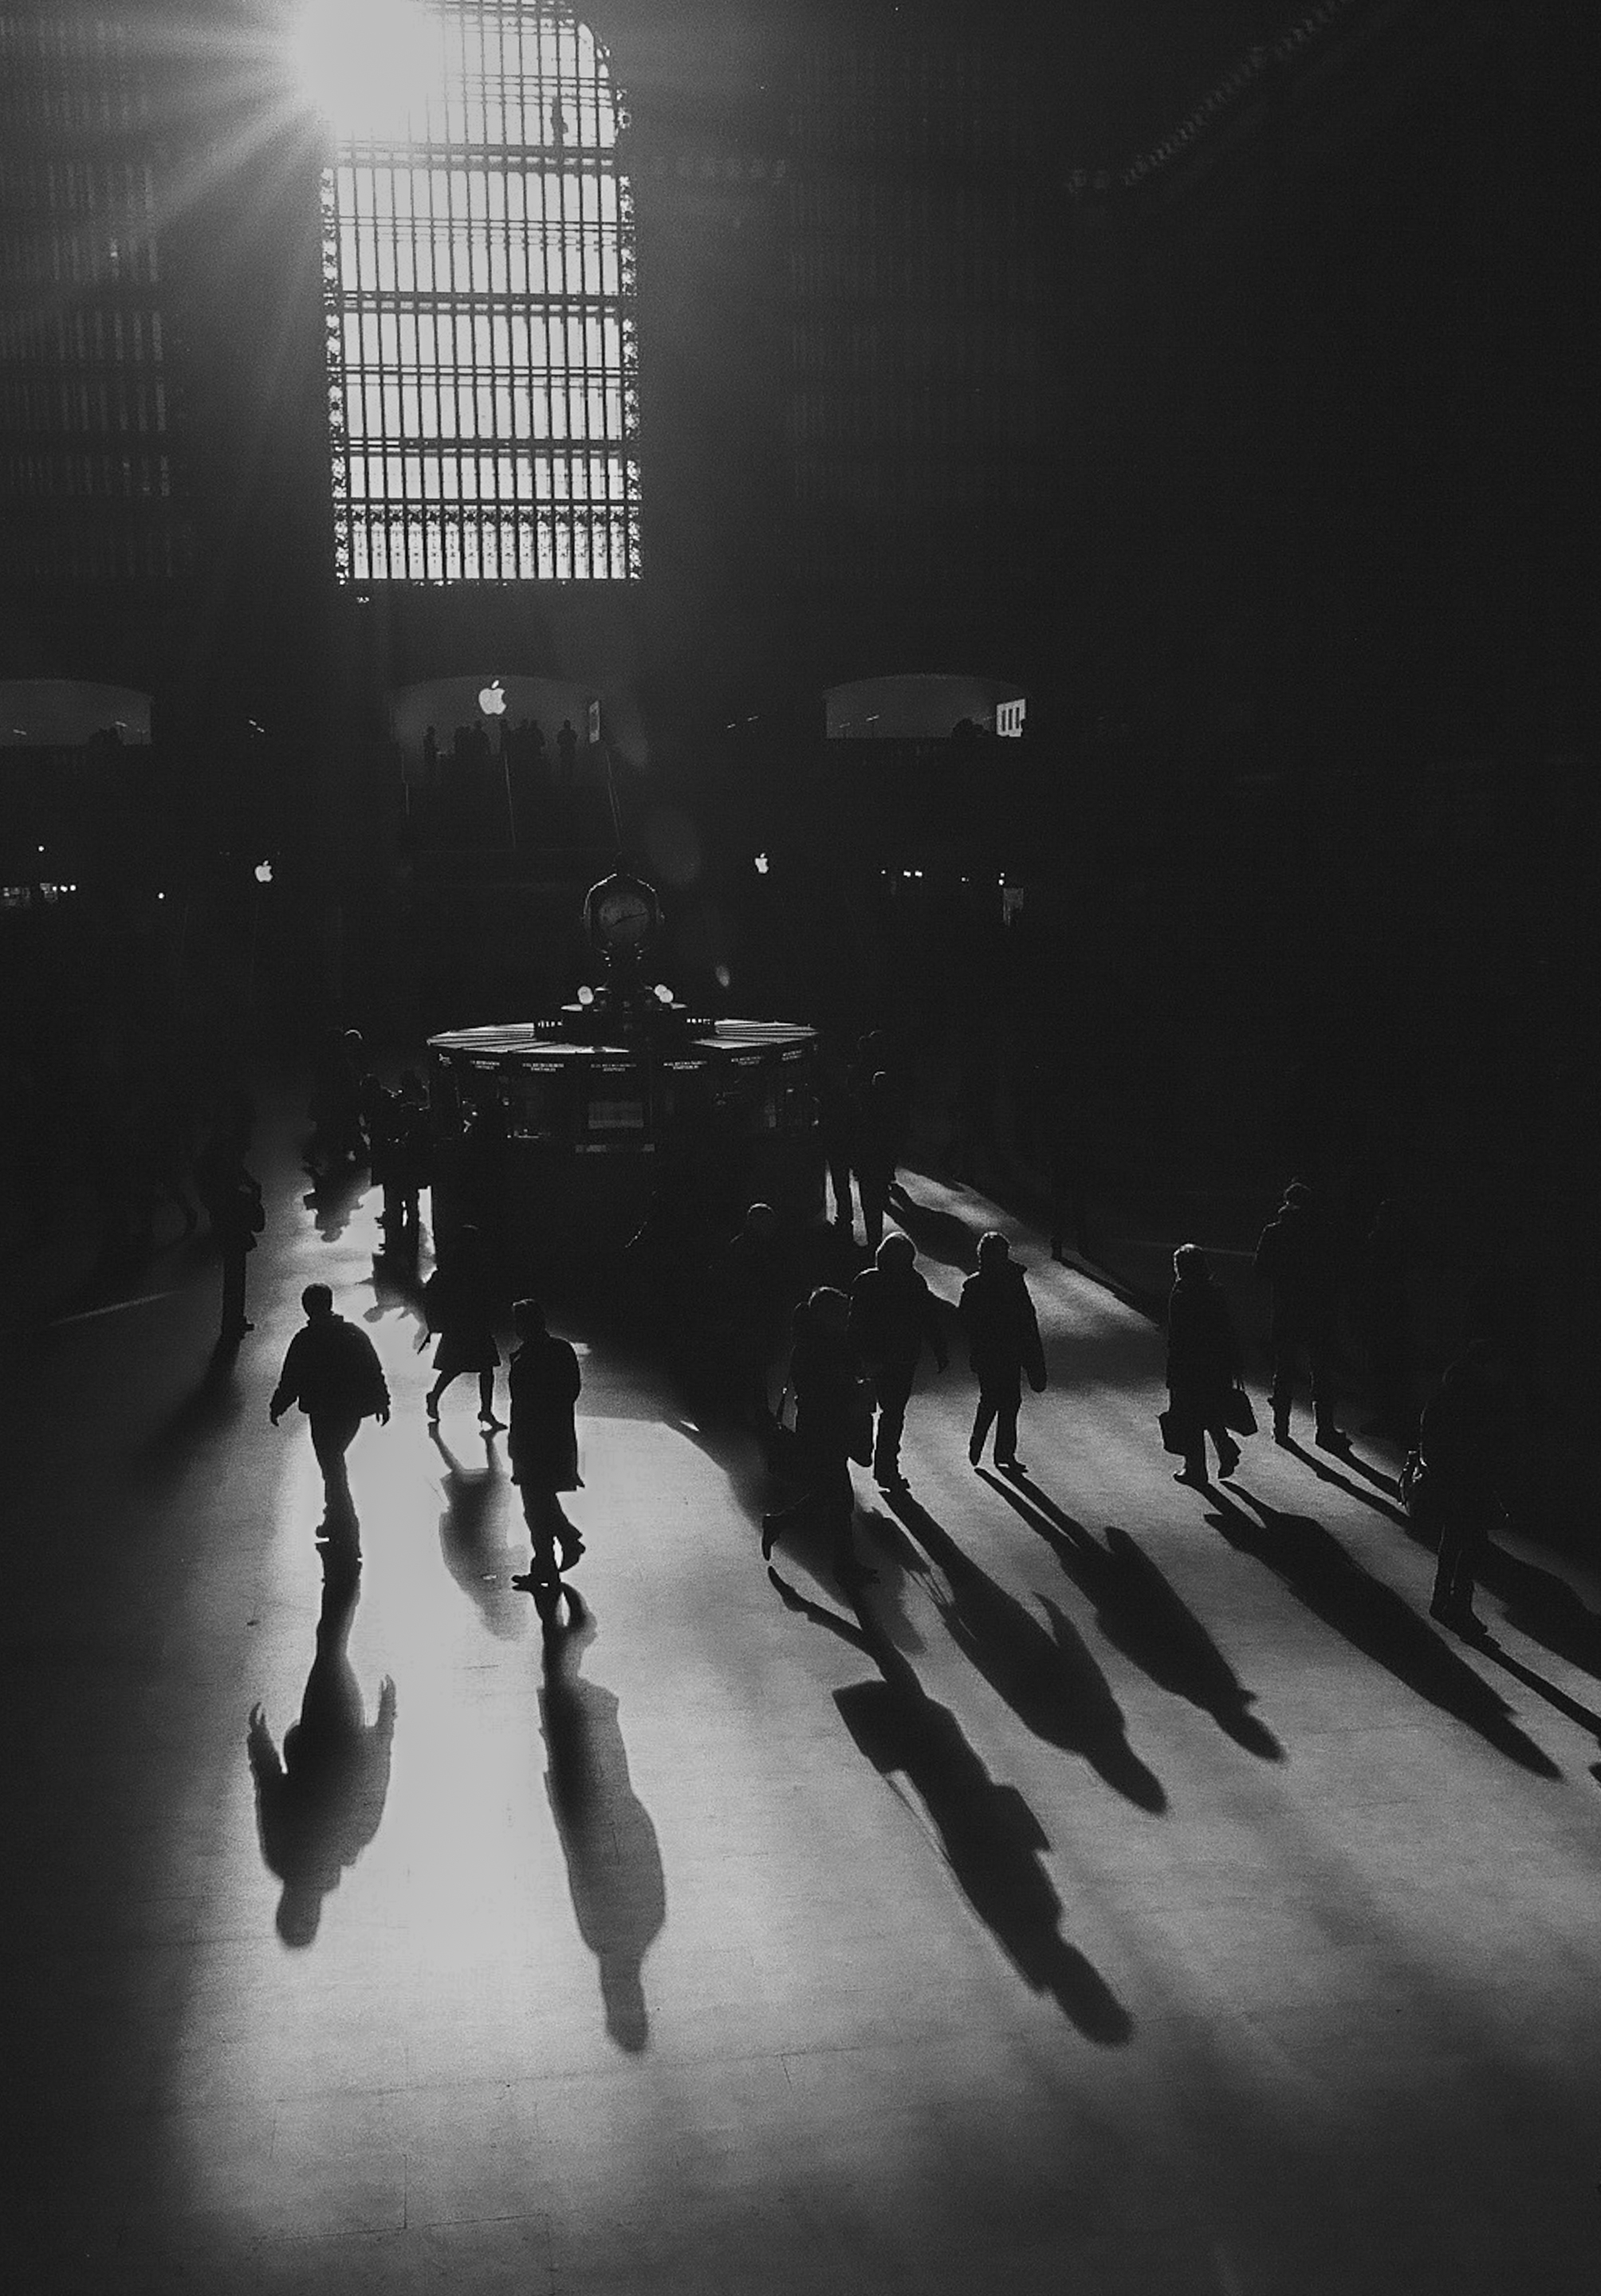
711 713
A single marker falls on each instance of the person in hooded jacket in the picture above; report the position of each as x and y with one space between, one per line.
1003 1345
1204 1364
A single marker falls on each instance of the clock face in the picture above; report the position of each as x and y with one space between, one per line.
623 918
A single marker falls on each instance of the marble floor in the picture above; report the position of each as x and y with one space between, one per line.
1131 1892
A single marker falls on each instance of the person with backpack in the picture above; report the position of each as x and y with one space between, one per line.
332 1371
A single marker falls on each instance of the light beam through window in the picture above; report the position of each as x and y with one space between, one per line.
478 268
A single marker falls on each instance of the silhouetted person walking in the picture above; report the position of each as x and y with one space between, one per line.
833 1426
544 1381
894 1318
458 1302
1296 1255
1204 1364
333 1372
1003 1346
409 1152
1462 1438
750 1295
231 1196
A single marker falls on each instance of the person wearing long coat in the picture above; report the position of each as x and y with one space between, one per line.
458 1300
543 1380
1204 1364
1003 1344
834 1418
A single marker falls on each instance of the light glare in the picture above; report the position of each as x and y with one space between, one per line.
371 67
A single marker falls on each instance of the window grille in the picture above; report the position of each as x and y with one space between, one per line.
480 326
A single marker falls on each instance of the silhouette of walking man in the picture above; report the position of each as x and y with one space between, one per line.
894 1318
1295 1254
543 1379
1003 1344
333 1372
1204 1364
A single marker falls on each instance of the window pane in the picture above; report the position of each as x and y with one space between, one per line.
476 301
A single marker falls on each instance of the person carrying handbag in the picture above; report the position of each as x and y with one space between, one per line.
1204 1367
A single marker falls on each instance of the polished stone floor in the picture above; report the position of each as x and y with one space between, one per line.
1134 1894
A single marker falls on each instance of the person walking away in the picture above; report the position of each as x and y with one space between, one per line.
1003 1345
750 1296
1204 1365
543 1380
1295 1254
458 1303
231 1196
1463 1442
332 1371
833 1426
894 1318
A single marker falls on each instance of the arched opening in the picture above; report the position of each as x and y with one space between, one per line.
479 293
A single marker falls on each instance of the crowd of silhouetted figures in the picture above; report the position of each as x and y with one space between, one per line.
852 1344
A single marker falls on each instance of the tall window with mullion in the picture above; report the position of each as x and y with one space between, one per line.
478 265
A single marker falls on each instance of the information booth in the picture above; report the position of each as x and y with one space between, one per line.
573 1131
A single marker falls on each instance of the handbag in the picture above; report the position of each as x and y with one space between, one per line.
1169 1422
1238 1416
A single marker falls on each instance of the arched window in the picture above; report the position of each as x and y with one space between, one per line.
478 267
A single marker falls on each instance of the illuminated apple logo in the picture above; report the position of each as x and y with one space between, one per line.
264 873
491 700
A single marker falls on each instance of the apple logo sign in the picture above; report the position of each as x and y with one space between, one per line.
491 700
264 873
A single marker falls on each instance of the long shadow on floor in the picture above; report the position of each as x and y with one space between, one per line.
613 1860
990 1838
938 1235
1049 1680
1543 1606
320 1802
1140 1615
201 1416
1373 1619
1319 1463
1559 1699
473 1557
